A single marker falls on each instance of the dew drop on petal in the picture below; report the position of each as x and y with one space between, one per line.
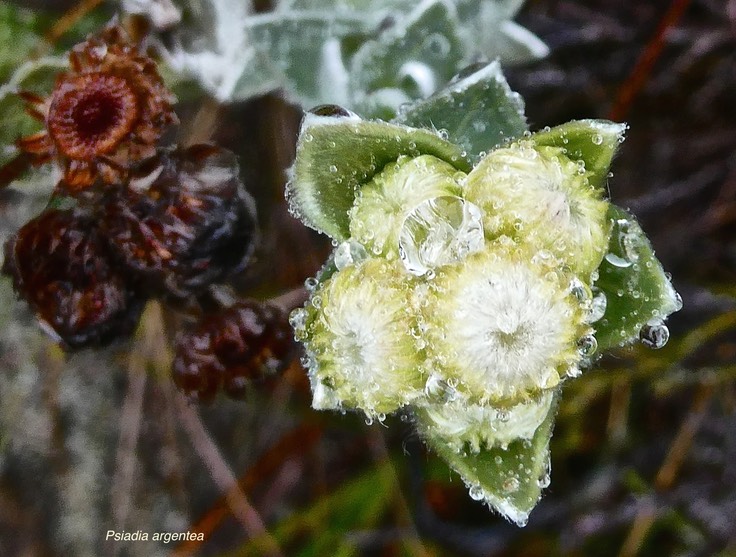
349 253
587 345
438 231
298 319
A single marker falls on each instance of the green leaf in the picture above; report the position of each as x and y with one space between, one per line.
488 33
470 10
299 51
478 111
336 155
508 479
638 292
374 9
594 142
416 56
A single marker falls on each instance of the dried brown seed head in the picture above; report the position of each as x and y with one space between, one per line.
246 344
60 266
184 221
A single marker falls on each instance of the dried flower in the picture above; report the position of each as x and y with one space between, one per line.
245 344
183 221
104 115
60 265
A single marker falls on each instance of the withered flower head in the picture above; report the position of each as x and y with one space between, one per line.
60 266
105 115
243 345
183 221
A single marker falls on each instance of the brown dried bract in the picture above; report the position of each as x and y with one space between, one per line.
105 115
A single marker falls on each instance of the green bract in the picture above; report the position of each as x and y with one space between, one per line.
471 279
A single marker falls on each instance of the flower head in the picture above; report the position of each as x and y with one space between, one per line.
357 331
383 204
60 264
503 325
540 197
104 115
183 221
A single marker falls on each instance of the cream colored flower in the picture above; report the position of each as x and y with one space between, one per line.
357 332
382 204
503 325
541 198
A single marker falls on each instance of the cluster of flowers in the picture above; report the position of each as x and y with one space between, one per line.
466 296
133 216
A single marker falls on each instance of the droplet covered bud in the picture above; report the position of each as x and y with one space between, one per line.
501 328
383 204
358 339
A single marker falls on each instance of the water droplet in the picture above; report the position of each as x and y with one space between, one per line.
368 420
678 301
654 334
597 139
310 284
587 345
579 290
333 168
618 261
476 493
298 319
597 306
510 484
333 110
349 253
439 231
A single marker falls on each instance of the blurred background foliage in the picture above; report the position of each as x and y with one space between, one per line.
644 449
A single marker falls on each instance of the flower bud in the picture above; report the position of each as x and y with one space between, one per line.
382 205
484 426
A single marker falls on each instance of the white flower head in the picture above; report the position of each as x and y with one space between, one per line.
360 350
503 325
540 197
382 204
479 426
